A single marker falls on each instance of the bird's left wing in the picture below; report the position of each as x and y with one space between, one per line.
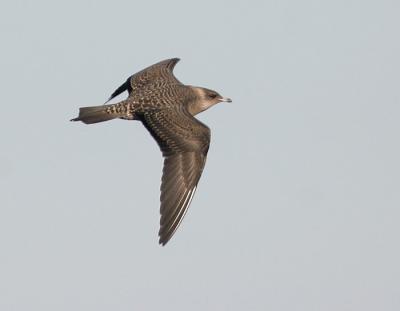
157 75
184 142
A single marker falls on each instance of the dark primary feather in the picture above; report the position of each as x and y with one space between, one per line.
184 142
124 87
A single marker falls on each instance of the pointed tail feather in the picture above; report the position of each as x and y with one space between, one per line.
89 115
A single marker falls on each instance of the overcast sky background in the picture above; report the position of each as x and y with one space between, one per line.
298 206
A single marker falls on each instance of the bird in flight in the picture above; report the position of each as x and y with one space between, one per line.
166 107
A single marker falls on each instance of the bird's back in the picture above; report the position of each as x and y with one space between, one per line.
162 97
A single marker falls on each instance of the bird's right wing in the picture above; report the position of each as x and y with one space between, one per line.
184 142
157 75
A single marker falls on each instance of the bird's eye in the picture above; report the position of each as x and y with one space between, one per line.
212 95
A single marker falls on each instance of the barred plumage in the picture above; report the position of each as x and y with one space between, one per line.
166 107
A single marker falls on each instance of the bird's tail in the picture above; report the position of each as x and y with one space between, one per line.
95 114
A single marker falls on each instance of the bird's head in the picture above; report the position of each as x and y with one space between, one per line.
206 98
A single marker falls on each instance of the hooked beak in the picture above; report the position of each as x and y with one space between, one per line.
225 99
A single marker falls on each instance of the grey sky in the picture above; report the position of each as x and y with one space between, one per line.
298 207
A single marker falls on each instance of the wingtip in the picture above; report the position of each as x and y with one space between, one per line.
173 61
163 239
162 242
